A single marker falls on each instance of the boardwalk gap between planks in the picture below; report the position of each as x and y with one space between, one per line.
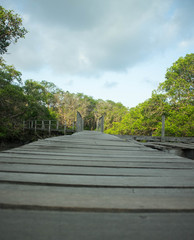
92 185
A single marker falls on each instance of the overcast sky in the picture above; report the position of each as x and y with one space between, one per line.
109 49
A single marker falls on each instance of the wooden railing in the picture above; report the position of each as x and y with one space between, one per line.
54 125
48 126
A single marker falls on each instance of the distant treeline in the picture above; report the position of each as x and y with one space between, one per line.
43 100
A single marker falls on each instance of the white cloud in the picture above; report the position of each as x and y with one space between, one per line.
84 37
118 48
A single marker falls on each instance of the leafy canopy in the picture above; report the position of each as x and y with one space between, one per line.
10 29
173 98
8 74
179 83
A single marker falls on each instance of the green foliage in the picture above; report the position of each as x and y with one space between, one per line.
12 100
173 98
18 103
38 100
113 112
10 29
179 83
8 74
179 122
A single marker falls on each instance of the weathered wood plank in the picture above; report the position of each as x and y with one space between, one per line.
121 163
97 181
41 225
93 154
104 199
96 171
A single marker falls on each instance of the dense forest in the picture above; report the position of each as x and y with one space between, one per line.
174 98
42 100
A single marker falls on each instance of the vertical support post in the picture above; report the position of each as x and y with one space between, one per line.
79 124
163 129
82 124
97 124
35 127
57 125
42 124
102 124
65 128
49 127
24 124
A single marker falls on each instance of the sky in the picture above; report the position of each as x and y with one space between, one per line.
115 50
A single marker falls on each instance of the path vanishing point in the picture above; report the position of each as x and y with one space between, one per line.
92 185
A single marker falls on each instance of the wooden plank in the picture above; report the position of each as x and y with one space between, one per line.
104 199
95 157
174 145
99 163
40 225
96 171
98 181
91 154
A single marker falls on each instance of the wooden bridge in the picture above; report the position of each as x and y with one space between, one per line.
92 185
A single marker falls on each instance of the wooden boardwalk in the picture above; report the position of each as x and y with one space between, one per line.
92 185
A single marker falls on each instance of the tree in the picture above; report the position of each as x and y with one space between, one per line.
113 112
10 29
179 83
37 99
12 100
179 91
8 74
173 98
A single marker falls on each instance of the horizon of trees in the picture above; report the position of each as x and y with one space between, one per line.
34 100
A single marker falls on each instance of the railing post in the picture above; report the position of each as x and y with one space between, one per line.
79 123
82 124
65 128
43 127
102 124
97 124
163 129
24 124
35 127
57 125
49 128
